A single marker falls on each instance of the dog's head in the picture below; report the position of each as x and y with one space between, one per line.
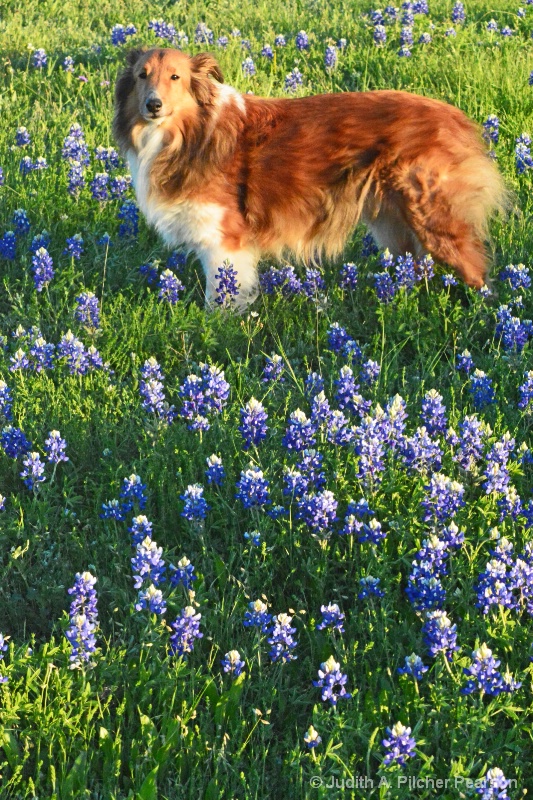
160 84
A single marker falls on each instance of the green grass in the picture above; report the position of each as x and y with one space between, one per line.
141 724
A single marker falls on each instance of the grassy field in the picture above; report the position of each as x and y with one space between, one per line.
137 719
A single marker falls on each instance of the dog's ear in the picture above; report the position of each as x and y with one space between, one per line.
203 66
132 56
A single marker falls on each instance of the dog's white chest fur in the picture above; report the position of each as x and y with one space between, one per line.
196 225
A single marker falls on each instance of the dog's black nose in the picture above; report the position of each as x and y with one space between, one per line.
154 105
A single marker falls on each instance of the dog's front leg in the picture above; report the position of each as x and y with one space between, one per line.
244 262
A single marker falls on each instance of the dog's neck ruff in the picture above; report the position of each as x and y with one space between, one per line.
178 221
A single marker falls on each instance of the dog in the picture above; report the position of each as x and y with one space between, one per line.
237 177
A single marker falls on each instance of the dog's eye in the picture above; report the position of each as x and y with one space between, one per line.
143 75
174 77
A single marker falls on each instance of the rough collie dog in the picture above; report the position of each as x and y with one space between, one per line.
237 177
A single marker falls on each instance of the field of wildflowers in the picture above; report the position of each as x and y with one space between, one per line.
279 555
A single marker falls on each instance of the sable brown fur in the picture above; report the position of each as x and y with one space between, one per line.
297 174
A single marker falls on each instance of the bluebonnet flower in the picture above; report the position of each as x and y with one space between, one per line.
448 279
491 132
203 34
349 276
370 447
75 179
42 268
279 40
129 214
14 442
314 384
404 271
300 432
295 484
319 512
371 531
332 617
312 738
370 372
112 509
26 165
339 431
424 38
517 275
226 285
109 156
337 337
483 675
203 396
492 26
169 287
280 637
310 465
369 247
254 537
232 663
94 359
133 491
481 389
414 666
177 260
493 785
32 474
471 440
99 187
6 401
252 488
370 587
83 620
147 563
320 410
39 58
302 40
383 284
140 528
149 271
444 498
458 13
20 220
88 311
507 31
274 369
74 246
186 629
151 390
19 360
510 505
267 52
399 746
526 392
257 616
215 472
452 536
55 447
223 41
105 241
248 67
183 574
40 240
332 682
379 35
420 453
523 158
74 147
119 185
195 507
118 35
293 80
424 590
8 245
151 599
330 57
440 636
433 413
162 30
253 425
314 283
22 137
2 179
73 350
